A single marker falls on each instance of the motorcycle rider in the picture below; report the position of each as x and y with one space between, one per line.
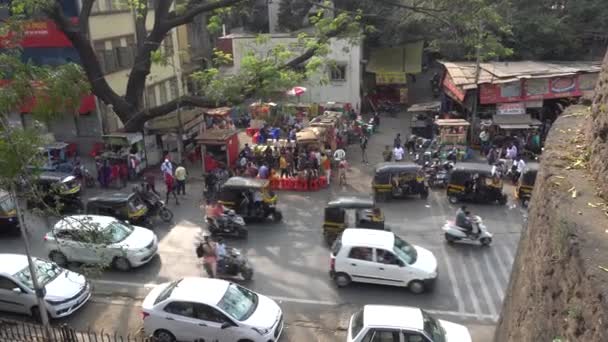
463 219
207 251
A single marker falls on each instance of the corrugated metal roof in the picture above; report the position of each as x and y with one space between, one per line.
463 73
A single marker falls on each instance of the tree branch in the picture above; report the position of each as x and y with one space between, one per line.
89 61
83 18
311 51
137 121
174 20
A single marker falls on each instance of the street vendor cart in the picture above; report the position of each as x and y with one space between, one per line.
310 138
119 147
219 145
423 115
452 138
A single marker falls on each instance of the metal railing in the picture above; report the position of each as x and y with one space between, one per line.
16 331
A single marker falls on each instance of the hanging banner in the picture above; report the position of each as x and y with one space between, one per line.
511 108
449 85
390 78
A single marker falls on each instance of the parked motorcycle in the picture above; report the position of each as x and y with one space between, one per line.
479 233
229 224
84 176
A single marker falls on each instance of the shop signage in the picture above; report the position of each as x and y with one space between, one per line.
391 78
40 34
511 108
453 89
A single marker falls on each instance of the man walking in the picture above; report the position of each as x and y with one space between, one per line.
387 154
363 144
180 177
169 182
398 153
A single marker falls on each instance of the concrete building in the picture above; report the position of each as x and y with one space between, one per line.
343 79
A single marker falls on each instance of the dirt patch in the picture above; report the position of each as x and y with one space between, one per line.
559 285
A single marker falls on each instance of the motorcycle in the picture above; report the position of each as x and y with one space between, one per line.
438 174
157 207
233 264
230 224
84 176
479 232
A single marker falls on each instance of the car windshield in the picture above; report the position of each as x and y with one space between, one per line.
433 328
45 272
7 204
117 232
405 251
356 324
238 302
167 291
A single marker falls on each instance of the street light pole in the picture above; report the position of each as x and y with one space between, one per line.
40 292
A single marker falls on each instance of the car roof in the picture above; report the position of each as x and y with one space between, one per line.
403 317
12 263
74 222
368 238
200 290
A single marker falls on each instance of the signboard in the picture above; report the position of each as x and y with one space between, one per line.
391 78
537 89
448 84
40 34
511 108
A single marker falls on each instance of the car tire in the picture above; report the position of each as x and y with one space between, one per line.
245 341
247 274
165 214
342 279
486 241
162 335
449 238
277 216
58 258
416 287
121 263
453 199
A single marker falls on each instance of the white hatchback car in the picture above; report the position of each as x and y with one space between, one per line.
386 323
381 257
93 239
193 309
65 291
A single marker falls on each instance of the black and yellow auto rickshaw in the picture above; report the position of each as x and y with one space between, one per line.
251 198
525 185
366 215
123 206
8 214
475 182
399 180
57 190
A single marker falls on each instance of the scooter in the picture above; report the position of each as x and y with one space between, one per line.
479 232
233 264
230 224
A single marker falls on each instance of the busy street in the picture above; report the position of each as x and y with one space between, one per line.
291 259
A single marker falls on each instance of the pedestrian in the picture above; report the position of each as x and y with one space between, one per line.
492 157
264 171
106 172
363 145
326 165
397 141
387 154
166 167
484 138
169 182
398 153
150 184
180 177
411 144
283 166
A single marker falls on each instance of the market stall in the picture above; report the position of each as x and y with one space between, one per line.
167 128
125 149
218 118
309 138
452 131
423 115
506 127
218 147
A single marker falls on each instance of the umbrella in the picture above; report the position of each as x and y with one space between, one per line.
296 91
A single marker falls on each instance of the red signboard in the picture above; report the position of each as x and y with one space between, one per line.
530 90
87 103
453 89
41 34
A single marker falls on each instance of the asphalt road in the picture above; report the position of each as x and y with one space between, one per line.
291 261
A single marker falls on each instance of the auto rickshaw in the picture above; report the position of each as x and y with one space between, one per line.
8 213
399 180
367 215
123 206
56 189
56 157
240 194
475 182
525 185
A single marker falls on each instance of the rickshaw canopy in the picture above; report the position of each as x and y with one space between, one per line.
397 167
114 198
461 169
55 177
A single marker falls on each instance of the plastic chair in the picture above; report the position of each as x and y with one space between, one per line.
274 183
301 184
322 181
314 184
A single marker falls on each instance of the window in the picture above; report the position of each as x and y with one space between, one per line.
338 73
163 92
151 92
335 248
181 309
7 284
386 257
238 302
357 324
173 87
207 313
405 251
45 273
361 253
167 291
379 335
415 337
118 56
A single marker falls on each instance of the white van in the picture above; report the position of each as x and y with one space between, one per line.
381 257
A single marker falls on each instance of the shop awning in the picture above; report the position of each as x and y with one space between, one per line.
170 123
514 126
515 121
425 107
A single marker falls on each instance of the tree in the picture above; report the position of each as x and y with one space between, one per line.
167 16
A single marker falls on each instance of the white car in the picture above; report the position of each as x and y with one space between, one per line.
386 323
65 291
193 309
381 257
93 239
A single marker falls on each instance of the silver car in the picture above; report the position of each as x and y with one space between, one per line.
64 291
103 240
